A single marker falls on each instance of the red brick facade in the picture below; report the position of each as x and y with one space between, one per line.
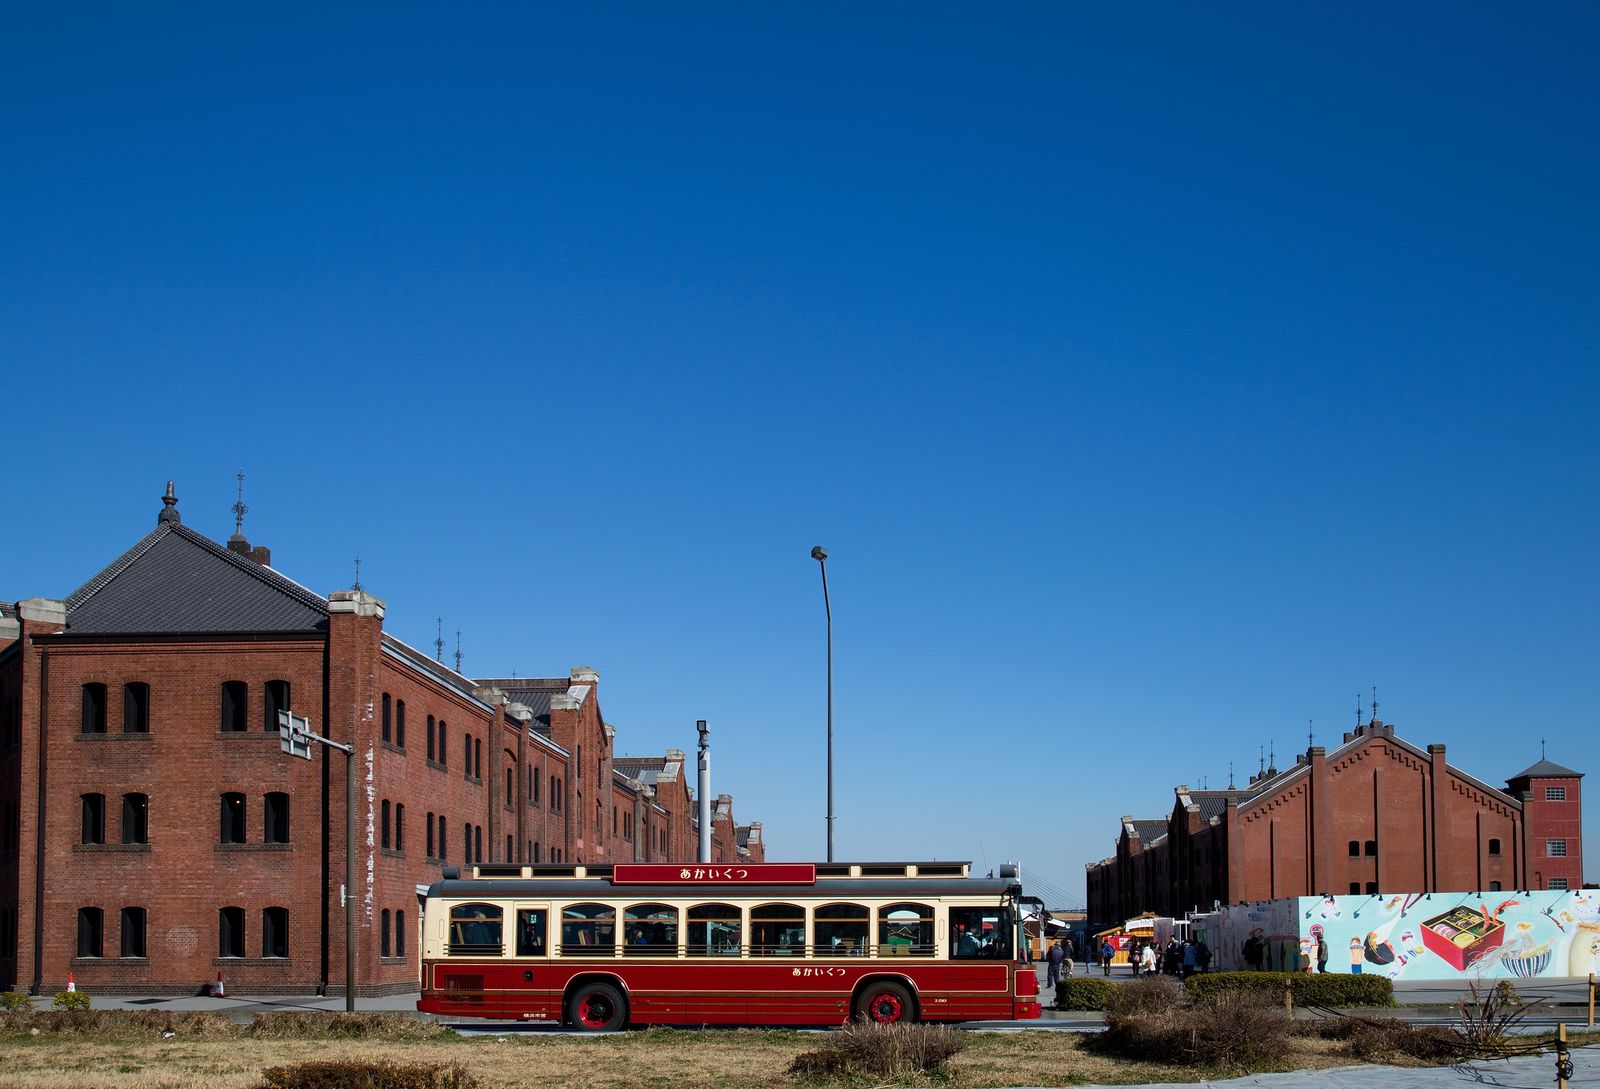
147 843
1377 814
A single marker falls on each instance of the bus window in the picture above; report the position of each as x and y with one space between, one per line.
778 930
530 932
713 931
841 930
650 930
588 930
980 932
905 930
475 930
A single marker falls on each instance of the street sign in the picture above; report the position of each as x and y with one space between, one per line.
294 734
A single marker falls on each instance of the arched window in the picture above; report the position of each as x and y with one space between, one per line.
430 737
588 930
430 835
840 930
388 723
276 823
477 758
443 752
1372 848
713 931
554 805
400 933
650 930
443 842
91 932
1355 848
511 786
466 844
466 756
536 850
383 824
778 930
275 700
511 849
400 724
383 933
230 932
905 930
133 920
135 818
94 709
477 844
94 818
135 708
232 824
476 930
1494 846
235 707
275 932
399 826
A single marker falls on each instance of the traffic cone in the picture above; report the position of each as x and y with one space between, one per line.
72 984
217 990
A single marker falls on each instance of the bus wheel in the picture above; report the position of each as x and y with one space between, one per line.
597 1007
885 1003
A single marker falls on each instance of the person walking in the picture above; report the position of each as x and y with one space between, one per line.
1053 961
1322 954
1105 955
1202 955
1147 961
1189 960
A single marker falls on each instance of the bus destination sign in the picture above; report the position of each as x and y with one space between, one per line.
705 873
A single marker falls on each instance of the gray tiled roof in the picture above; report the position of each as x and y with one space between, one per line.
1545 769
421 661
176 581
8 610
1149 831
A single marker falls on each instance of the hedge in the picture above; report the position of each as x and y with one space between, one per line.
1083 993
1320 989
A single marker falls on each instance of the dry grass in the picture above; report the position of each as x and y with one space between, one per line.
655 1059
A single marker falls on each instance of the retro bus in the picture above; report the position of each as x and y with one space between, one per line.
600 947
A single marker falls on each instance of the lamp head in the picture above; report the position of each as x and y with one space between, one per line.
819 553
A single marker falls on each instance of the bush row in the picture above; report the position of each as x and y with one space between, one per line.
1089 993
147 1024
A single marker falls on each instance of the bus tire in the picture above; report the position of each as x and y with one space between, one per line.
597 1007
885 1003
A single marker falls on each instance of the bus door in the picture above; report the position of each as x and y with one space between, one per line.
530 977
982 946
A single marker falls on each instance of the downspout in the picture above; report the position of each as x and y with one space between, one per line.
38 859
705 790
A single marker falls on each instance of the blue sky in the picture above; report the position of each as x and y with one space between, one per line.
1157 378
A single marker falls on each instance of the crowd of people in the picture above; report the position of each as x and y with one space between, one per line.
1181 957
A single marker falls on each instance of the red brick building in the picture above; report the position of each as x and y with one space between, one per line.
153 833
1376 814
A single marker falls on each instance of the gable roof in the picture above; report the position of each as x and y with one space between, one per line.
177 581
1544 769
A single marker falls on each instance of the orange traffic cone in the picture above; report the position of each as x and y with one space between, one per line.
72 984
217 990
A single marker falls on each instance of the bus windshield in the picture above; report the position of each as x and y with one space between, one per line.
982 932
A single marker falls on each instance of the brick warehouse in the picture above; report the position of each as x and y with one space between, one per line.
152 833
1377 813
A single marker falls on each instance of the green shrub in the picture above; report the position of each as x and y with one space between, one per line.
12 1001
1084 994
1152 994
69 1000
880 1051
364 1075
1322 989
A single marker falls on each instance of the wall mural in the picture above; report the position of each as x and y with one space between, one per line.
1493 935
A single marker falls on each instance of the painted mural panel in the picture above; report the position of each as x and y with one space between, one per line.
1500 935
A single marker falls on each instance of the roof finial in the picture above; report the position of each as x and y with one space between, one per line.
438 640
1374 703
1261 759
1358 710
1310 741
1541 748
239 508
357 586
1272 756
458 650
1230 774
169 507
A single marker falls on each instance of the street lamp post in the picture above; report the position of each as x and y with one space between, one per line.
820 554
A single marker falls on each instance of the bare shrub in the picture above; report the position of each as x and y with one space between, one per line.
319 1025
882 1051
1386 1040
1152 994
1233 1029
366 1075
120 1024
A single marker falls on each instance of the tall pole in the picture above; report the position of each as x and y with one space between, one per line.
820 554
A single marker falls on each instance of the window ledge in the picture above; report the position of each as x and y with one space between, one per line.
223 962
392 747
436 766
392 852
144 735
111 848
232 847
473 779
393 962
259 735
91 960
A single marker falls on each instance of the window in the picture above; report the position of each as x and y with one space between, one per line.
536 850
713 931
840 930
510 850
235 707
533 785
429 823
1372 888
650 930
400 933
400 724
275 932
477 843
1494 886
399 826
94 708
388 735
588 930
511 786
232 829
443 853
778 930
133 932
383 838
94 818
475 930
276 811
430 737
1355 888
277 699
1355 848
1555 848
1494 846
466 756
530 932
383 934
905 930
477 758
980 932
1372 848
91 932
135 708
1555 794
135 819
1558 883
466 843
230 932
554 807
443 752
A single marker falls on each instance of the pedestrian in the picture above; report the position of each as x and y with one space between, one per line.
1189 960
1322 954
1147 961
1053 961
1202 955
1106 951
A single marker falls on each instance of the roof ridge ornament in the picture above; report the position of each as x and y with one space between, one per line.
169 507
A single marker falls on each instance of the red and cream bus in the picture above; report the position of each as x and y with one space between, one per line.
602 946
